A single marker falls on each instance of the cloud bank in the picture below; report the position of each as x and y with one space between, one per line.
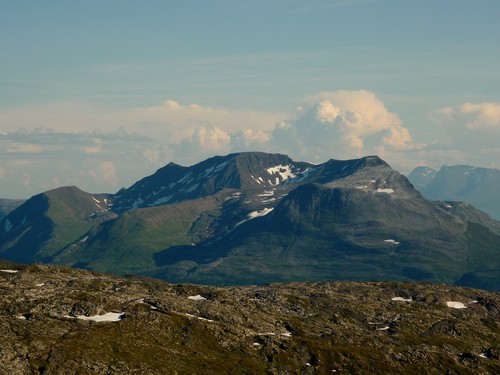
123 146
342 124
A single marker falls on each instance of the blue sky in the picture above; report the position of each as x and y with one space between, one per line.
101 93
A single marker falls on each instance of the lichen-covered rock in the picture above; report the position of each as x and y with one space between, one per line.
299 328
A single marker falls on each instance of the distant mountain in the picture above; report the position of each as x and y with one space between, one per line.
252 218
474 185
49 221
8 205
421 176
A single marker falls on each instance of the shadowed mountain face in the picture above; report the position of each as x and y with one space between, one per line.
477 186
253 218
57 320
49 221
8 205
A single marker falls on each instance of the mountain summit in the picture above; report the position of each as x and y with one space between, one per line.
251 218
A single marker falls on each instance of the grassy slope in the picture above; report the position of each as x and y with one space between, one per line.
127 244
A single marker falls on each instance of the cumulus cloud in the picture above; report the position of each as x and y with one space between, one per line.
205 141
471 115
248 139
175 121
470 133
104 172
342 124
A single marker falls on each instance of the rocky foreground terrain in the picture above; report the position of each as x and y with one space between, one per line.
56 320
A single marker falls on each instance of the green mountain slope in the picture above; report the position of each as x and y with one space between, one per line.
49 221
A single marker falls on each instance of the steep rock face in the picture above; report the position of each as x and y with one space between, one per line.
56 320
173 183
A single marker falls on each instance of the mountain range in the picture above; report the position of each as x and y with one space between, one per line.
253 218
474 185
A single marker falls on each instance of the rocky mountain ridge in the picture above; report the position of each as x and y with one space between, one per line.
57 320
253 218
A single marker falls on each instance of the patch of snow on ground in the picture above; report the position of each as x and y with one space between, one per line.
383 328
386 191
197 298
97 200
266 193
262 212
108 317
39 284
22 317
401 299
199 318
10 271
486 354
456 305
392 242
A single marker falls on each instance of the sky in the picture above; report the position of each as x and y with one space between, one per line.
99 94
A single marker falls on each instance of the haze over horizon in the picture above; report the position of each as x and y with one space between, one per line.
100 94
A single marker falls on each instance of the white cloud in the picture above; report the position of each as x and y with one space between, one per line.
472 116
248 139
23 148
95 149
104 172
205 141
342 124
63 145
26 180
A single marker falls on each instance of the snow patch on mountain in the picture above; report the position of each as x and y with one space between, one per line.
284 171
108 317
263 212
385 191
455 305
391 241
